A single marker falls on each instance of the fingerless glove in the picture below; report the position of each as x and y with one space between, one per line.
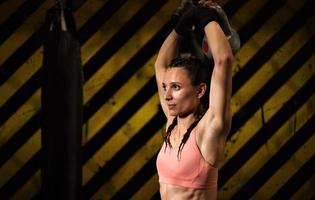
197 16
203 15
185 22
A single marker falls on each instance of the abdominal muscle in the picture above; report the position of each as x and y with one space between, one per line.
172 192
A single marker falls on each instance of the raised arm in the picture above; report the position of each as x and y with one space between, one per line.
221 80
167 52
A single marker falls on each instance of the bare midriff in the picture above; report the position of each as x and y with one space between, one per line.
173 192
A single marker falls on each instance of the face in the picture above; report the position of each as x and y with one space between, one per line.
181 97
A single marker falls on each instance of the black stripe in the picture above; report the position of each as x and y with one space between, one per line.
133 64
131 67
138 180
98 19
30 127
119 119
101 137
124 34
264 133
127 151
32 84
20 56
25 173
296 181
30 87
20 138
17 18
103 95
231 7
275 163
272 46
272 86
33 43
264 14
24 52
19 98
111 87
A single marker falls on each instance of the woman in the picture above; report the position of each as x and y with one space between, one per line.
196 132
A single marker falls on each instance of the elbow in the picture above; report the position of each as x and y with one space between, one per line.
223 125
225 60
158 65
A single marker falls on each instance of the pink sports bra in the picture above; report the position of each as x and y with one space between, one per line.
190 171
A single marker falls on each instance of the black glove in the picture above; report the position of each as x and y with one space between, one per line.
197 16
203 15
185 22
180 10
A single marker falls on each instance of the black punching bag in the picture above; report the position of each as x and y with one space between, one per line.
61 172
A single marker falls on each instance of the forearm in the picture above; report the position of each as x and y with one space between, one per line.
218 43
168 50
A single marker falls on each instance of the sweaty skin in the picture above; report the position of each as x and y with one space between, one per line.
180 99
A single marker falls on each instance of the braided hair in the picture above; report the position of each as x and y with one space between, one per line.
198 72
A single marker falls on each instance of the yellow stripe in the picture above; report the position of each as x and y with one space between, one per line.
120 138
283 174
32 105
306 191
7 8
239 20
131 167
110 28
136 82
271 147
87 10
270 68
119 99
20 158
29 26
148 189
30 188
20 117
120 58
255 122
20 76
266 32
116 63
245 13
34 62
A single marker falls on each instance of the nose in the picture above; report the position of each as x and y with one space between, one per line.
168 95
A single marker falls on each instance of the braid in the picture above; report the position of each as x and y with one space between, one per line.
169 131
186 136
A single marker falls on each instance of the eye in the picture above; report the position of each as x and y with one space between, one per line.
164 87
176 87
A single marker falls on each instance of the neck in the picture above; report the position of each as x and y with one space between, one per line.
184 123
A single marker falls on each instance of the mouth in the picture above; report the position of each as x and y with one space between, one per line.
171 106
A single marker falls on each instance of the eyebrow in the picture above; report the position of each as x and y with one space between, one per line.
178 83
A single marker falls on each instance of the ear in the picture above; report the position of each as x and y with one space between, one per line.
201 89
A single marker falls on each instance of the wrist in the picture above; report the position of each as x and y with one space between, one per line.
176 35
